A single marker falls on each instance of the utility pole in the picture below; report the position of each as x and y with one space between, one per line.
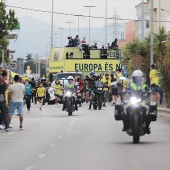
106 25
159 13
52 23
142 38
152 31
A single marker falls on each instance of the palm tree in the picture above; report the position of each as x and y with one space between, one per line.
132 59
164 74
160 48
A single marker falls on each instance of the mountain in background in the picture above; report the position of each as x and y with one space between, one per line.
35 34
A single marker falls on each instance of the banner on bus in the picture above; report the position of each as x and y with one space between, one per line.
92 65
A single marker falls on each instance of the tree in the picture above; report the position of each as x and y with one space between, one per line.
7 22
160 48
137 56
133 60
164 73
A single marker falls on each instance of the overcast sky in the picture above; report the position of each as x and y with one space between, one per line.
125 9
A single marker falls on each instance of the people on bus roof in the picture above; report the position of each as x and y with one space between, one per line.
114 44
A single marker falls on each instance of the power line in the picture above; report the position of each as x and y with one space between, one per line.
75 15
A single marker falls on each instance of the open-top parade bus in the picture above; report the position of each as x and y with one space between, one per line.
72 59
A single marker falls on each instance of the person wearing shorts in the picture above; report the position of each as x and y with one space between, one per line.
155 84
40 95
58 91
114 89
16 94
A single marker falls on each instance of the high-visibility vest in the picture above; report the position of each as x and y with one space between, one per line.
70 86
136 88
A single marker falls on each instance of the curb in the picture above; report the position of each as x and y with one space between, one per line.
164 110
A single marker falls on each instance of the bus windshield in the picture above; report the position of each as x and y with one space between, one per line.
62 76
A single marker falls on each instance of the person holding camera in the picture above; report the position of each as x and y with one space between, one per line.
154 78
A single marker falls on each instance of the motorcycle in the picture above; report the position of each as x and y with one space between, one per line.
97 96
136 112
79 96
69 100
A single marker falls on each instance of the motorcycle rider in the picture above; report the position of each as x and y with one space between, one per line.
70 86
96 81
91 82
137 87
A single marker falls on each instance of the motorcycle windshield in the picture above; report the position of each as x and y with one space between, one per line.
98 84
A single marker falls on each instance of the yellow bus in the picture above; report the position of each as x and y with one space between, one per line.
72 59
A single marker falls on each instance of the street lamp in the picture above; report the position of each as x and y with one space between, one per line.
69 22
89 19
106 25
55 35
61 34
142 20
78 24
152 30
52 23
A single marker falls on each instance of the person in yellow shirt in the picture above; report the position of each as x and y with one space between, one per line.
58 91
41 94
107 84
154 78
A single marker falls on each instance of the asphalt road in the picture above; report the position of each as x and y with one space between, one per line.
89 140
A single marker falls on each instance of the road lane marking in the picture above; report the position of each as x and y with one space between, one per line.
59 137
28 168
68 129
51 146
42 156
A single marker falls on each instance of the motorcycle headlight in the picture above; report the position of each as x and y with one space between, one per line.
99 89
134 100
68 93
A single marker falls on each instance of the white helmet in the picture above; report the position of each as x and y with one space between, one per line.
70 78
137 76
137 73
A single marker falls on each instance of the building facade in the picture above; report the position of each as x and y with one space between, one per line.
130 30
161 14
139 22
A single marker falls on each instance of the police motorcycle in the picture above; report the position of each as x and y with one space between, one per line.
136 111
97 95
69 99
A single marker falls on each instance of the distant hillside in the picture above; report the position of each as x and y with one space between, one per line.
34 34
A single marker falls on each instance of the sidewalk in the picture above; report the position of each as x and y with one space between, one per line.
164 110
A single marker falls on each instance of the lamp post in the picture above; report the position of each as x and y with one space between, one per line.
61 34
78 24
106 25
159 13
52 23
152 30
89 19
55 36
69 22
142 20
